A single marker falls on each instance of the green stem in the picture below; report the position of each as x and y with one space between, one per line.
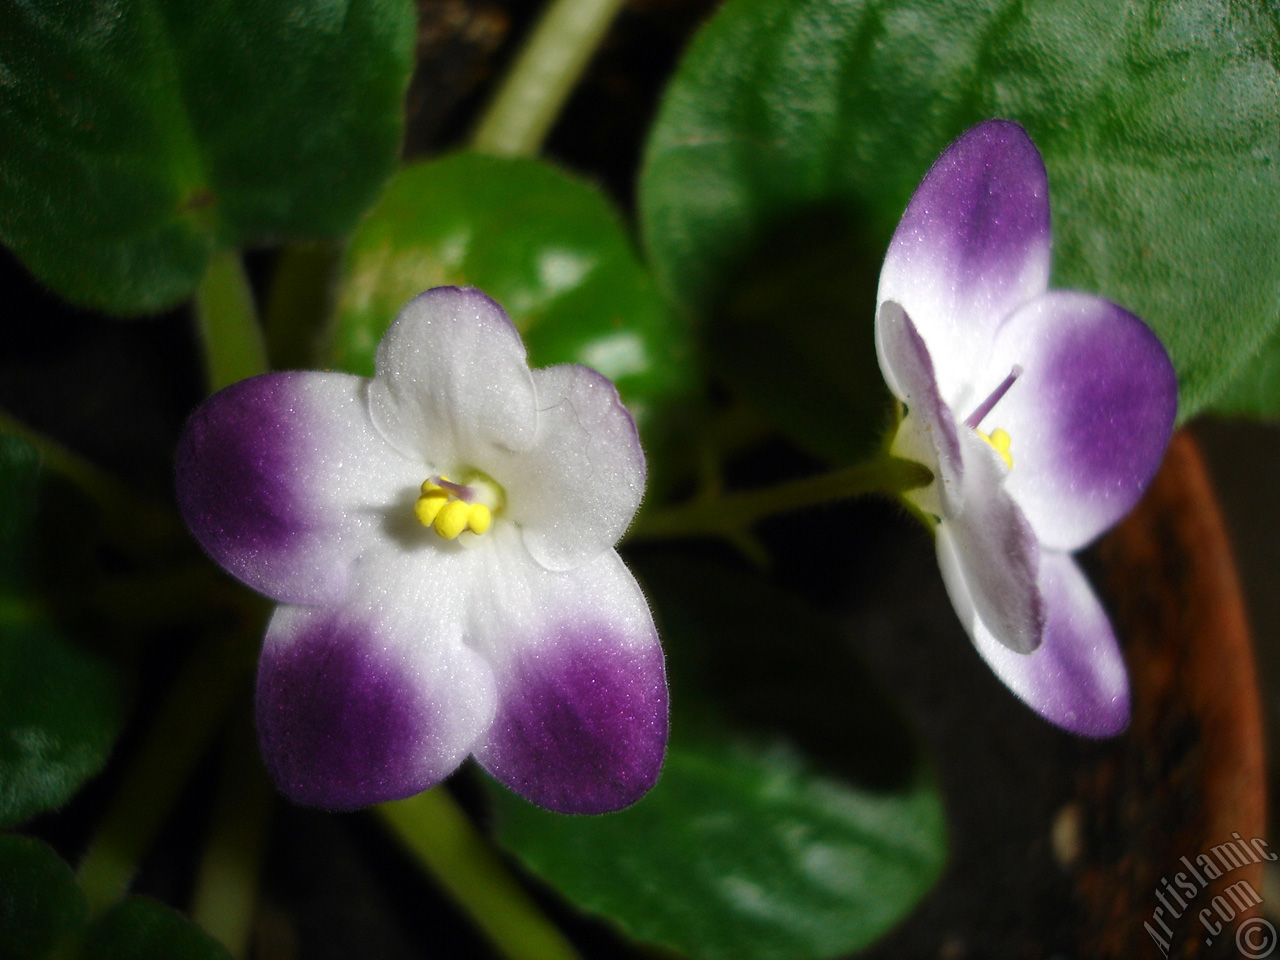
544 73
464 862
233 343
733 513
180 733
298 302
129 520
226 892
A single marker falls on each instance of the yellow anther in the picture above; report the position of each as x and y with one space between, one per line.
478 518
452 519
429 504
1000 442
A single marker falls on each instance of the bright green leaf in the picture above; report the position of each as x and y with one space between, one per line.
143 929
1160 126
816 825
1254 391
547 246
39 899
138 136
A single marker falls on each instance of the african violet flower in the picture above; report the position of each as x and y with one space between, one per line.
1042 414
440 543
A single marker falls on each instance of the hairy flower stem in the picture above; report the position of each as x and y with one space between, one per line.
226 892
463 861
544 73
731 514
228 323
180 733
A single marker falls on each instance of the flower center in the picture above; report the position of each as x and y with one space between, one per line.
999 439
450 508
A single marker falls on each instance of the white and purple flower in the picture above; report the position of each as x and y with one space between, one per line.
1042 414
440 540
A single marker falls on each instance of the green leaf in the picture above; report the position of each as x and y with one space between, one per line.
1159 124
140 136
547 246
19 473
1254 391
143 929
61 707
815 823
39 900
60 713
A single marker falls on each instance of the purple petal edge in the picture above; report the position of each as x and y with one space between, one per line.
341 727
582 727
1077 678
229 468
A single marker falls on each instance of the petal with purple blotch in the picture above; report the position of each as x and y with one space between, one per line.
282 478
1077 678
581 724
1089 416
972 247
380 698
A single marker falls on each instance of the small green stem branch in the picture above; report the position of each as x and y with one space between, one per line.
521 114
180 733
226 892
129 520
464 862
233 343
731 514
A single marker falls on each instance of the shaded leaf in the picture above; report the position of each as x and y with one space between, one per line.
39 899
140 136
798 854
140 928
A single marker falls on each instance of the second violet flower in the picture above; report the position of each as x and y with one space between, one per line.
1042 414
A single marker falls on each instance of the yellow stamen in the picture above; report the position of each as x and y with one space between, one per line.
430 503
1000 442
452 519
478 518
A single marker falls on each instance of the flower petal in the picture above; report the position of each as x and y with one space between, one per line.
989 554
281 478
453 380
575 491
1077 678
1089 417
581 725
972 247
378 699
928 434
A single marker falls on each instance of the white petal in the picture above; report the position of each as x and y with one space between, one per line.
989 555
453 381
576 489
928 434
